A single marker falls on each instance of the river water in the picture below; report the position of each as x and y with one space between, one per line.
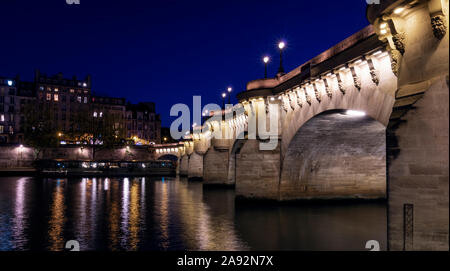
173 214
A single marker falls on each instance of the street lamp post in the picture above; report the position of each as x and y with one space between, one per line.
281 46
266 60
223 99
21 152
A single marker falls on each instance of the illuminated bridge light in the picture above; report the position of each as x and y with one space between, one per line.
399 10
355 113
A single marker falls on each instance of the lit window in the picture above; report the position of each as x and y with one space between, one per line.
79 99
10 83
49 96
56 89
2 118
95 114
1 129
41 88
72 90
84 85
85 100
101 114
55 97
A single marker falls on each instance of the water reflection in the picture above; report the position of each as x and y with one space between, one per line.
208 230
114 216
135 219
340 226
162 213
171 214
57 218
125 211
20 215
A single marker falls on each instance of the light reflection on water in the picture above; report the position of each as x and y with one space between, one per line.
20 213
57 218
172 214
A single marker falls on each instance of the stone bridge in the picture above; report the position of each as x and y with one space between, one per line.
367 118
168 151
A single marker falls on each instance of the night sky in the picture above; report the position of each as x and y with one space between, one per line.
166 51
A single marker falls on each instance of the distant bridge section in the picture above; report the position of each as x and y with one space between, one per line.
171 151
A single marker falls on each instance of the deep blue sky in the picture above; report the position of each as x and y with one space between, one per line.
168 50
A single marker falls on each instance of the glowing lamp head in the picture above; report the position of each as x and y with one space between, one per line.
10 83
266 59
229 89
281 45
224 95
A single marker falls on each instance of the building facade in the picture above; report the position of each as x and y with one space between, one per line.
65 98
142 122
110 111
68 106
8 91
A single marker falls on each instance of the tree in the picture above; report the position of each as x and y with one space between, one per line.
38 126
107 130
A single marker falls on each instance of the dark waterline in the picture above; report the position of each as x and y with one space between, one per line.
172 214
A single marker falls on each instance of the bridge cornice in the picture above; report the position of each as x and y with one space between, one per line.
255 93
354 47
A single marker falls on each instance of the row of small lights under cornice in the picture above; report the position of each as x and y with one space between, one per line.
332 74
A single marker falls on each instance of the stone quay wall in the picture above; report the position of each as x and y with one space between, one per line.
14 156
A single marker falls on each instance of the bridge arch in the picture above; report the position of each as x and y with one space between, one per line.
167 150
335 155
358 92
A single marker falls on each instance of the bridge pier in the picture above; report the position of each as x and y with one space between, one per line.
418 130
257 172
216 162
184 165
195 166
418 170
